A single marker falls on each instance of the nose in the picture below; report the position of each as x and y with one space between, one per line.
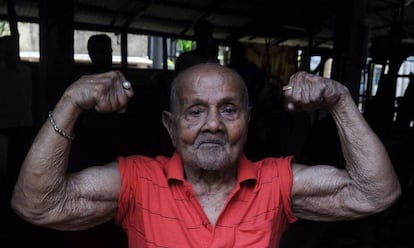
213 122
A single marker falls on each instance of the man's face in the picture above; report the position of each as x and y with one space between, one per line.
209 127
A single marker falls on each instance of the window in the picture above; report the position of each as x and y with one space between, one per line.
81 41
144 51
406 71
4 28
138 51
314 62
28 39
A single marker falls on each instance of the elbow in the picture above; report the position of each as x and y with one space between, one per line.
386 199
391 195
32 215
27 209
22 208
19 207
376 201
394 194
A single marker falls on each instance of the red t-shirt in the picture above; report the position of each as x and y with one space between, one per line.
158 208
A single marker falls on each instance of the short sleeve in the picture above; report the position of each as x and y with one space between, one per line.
286 180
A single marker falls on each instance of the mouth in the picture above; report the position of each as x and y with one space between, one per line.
212 149
209 143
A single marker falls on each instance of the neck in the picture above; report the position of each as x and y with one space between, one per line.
210 182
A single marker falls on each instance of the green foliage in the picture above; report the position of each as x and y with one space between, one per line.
4 28
185 45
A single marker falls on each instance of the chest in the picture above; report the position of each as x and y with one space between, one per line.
213 204
242 217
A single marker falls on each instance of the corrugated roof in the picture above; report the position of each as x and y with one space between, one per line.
281 22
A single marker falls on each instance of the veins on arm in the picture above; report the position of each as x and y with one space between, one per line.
91 199
326 193
85 199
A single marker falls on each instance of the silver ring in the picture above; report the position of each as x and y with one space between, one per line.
126 85
287 87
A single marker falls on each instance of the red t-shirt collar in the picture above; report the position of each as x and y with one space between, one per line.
246 169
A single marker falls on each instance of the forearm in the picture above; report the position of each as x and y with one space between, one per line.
44 193
43 173
367 162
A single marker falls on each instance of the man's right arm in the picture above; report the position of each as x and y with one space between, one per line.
44 193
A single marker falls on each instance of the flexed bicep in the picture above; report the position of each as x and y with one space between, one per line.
325 193
93 197
89 197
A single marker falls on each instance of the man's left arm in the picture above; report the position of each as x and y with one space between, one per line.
368 184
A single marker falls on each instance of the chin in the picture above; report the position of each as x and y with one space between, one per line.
216 160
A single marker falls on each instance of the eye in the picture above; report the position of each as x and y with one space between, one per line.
195 112
229 109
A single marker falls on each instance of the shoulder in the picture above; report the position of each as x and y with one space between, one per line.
276 162
138 160
276 177
275 167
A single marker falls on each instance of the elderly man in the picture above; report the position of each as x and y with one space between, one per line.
208 194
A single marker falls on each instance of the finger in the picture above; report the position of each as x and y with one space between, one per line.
290 107
125 92
112 96
127 88
287 87
126 95
126 85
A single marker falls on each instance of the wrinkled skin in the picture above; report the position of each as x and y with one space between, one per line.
208 126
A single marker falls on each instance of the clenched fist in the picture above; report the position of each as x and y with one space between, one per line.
103 92
307 92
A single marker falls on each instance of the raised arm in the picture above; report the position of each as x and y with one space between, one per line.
44 193
367 185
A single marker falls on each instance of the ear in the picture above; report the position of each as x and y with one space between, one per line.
168 122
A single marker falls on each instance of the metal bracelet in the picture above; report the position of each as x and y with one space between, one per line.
57 129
